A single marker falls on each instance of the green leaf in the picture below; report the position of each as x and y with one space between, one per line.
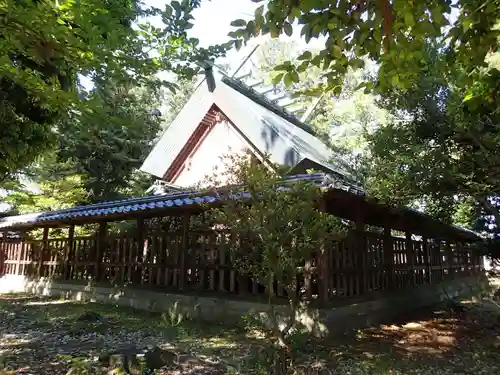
357 63
259 12
306 55
238 23
251 27
303 66
168 11
306 33
468 97
238 43
283 66
277 78
409 20
288 79
327 59
337 51
275 32
316 61
287 28
176 5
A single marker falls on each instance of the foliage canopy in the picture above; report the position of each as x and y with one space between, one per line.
45 45
392 33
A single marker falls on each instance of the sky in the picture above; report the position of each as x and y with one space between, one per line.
212 23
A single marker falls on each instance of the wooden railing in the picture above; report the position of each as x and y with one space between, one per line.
201 261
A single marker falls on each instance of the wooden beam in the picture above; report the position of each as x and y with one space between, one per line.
139 252
100 248
389 257
68 255
19 251
324 257
428 260
360 247
186 221
43 250
410 253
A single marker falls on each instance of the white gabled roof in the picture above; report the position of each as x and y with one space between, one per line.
177 134
271 132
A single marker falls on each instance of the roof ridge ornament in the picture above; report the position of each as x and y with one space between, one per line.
208 67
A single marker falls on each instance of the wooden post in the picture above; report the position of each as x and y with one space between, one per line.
323 258
360 246
19 252
3 254
186 221
43 249
389 256
69 253
410 253
142 244
139 250
437 248
461 262
449 263
428 260
100 248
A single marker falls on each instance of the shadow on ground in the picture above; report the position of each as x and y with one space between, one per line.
428 341
40 336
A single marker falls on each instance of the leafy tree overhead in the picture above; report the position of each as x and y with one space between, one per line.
54 185
45 44
109 141
440 151
173 102
97 154
339 119
391 33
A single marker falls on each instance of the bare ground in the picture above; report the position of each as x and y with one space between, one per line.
44 336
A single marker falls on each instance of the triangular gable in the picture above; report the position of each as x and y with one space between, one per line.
178 133
271 133
268 131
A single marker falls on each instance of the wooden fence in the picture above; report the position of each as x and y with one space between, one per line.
201 261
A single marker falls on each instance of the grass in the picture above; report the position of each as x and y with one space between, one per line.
426 342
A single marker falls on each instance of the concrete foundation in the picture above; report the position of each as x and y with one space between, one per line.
319 321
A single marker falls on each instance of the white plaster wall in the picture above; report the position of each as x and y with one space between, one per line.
222 140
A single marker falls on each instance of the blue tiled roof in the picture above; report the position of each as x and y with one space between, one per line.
142 204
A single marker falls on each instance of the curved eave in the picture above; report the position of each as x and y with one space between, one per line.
341 199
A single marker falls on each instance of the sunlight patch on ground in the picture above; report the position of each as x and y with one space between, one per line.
213 343
43 303
16 340
413 325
